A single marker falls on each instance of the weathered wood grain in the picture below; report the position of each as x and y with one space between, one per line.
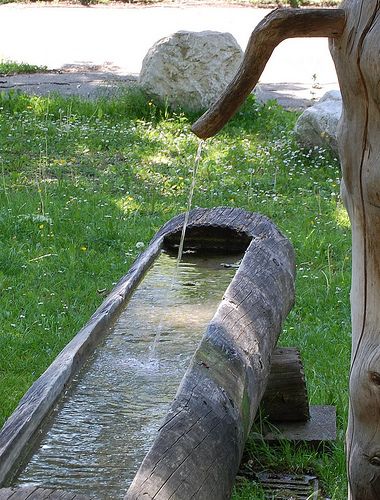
277 26
17 493
356 57
199 446
37 493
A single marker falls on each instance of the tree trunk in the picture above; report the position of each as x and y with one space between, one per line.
356 57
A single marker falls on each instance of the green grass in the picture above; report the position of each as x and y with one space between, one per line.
83 182
13 68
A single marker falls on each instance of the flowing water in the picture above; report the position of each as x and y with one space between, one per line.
105 424
190 200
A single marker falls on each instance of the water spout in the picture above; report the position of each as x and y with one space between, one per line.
277 26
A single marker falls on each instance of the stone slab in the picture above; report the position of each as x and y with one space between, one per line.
319 429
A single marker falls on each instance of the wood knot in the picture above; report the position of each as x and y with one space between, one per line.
202 363
375 460
374 377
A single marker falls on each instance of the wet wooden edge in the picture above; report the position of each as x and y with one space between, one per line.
37 493
42 395
38 401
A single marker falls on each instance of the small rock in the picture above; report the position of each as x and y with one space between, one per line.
317 126
190 69
189 283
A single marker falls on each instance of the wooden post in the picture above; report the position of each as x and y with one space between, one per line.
356 57
354 45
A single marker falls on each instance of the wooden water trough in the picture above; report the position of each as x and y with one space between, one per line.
198 448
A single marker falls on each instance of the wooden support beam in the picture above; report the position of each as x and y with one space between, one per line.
285 398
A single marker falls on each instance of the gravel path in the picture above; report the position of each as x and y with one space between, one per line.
95 50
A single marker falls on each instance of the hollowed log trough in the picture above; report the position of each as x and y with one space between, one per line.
198 448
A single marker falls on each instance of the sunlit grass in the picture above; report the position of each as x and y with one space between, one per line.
83 182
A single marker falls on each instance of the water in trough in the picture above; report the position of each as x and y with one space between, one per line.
99 433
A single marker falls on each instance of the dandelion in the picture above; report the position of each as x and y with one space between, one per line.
140 244
83 248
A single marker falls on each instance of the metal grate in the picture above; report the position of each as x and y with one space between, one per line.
284 486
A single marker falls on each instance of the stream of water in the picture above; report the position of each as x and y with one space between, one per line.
105 424
189 200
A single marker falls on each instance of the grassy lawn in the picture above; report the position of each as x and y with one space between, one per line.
83 182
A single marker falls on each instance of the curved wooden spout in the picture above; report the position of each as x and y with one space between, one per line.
273 29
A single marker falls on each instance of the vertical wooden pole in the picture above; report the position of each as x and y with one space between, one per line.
357 60
355 48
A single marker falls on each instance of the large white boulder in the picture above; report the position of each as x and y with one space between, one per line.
190 69
317 126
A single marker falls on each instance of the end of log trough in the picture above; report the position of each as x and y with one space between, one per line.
199 447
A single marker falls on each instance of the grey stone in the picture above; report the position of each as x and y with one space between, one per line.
320 428
317 126
190 69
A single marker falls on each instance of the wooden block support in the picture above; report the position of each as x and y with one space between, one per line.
285 398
